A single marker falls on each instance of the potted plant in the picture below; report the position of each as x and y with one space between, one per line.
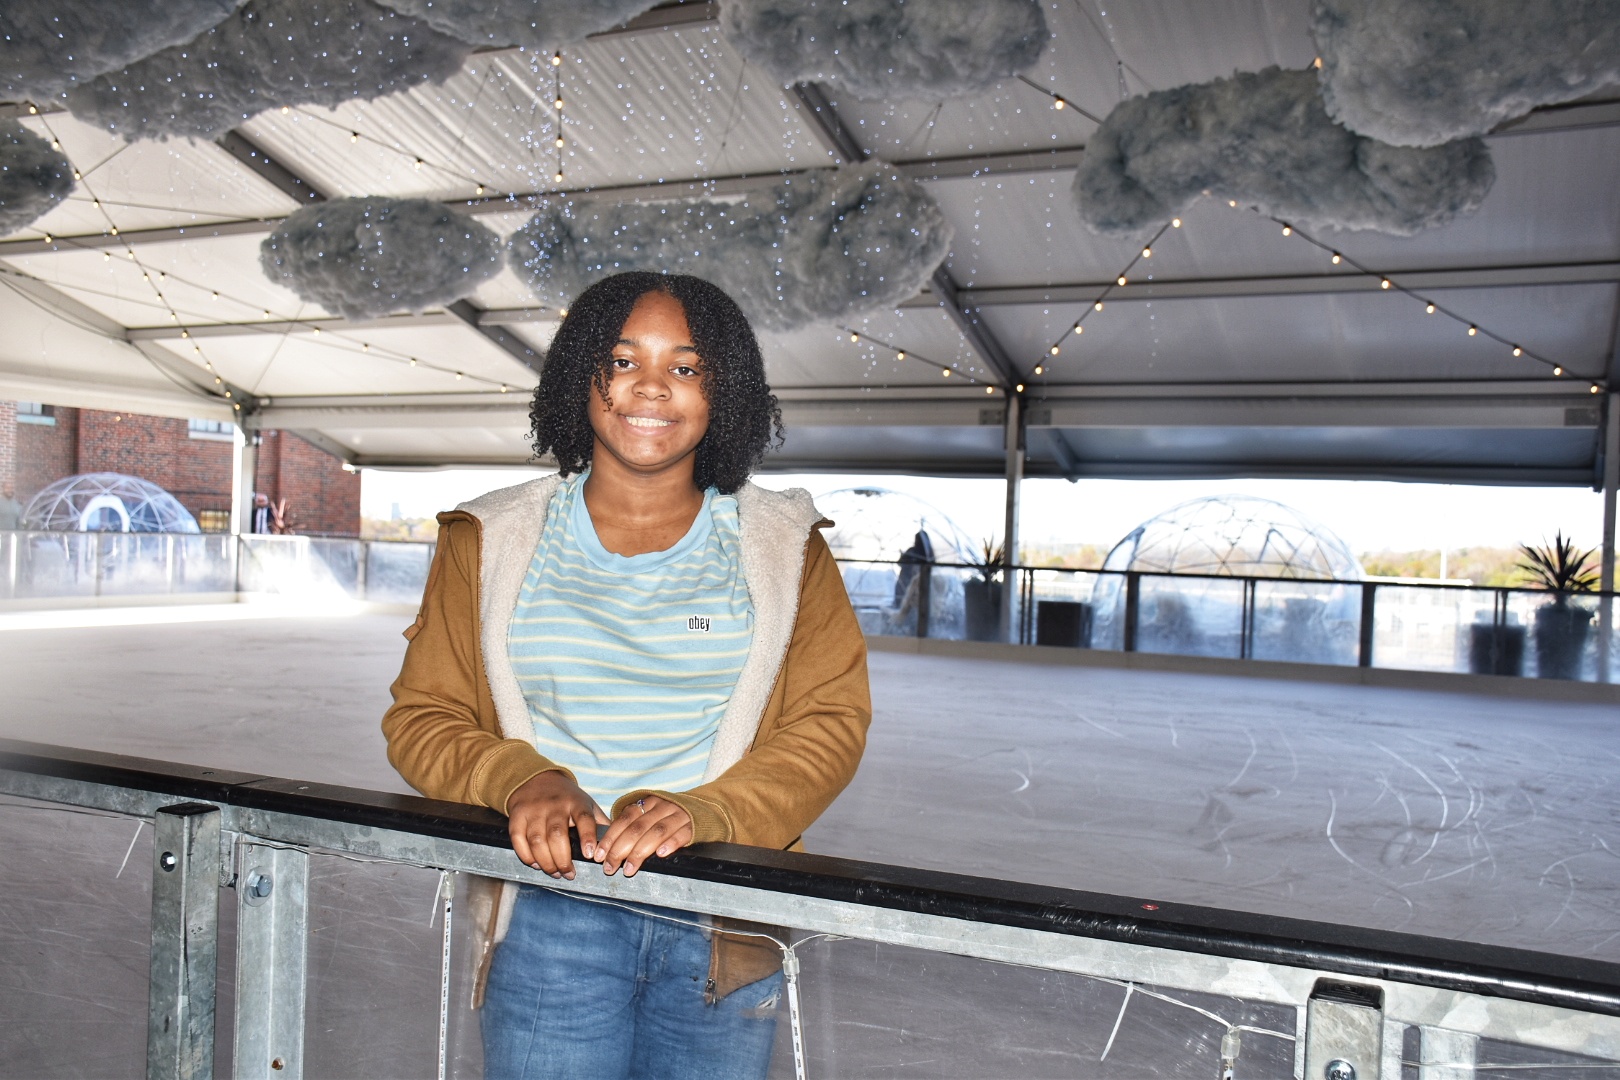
981 595
1561 626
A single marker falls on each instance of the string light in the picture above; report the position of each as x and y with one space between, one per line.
1097 306
900 355
1557 370
480 189
558 104
1428 309
989 389
1472 330
557 177
1595 389
1175 223
556 59
1079 329
503 388
1288 230
1120 280
1517 351
559 142
417 164
354 136
1147 253
458 376
1020 388
1058 102
1337 258
1054 350
1039 370
854 337
1385 283
945 373
413 361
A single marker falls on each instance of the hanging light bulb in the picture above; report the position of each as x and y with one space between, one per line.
1595 389
556 59
480 189
106 257
365 346
1175 223
1232 203
557 177
1020 388
989 389
413 361
417 164
945 373
1039 370
854 337
1058 102
1428 309
1054 350
1097 306
558 103
1288 230
1472 330
1557 370
1120 280
559 142
458 376
1385 283
1517 351
562 313
900 355
354 136
285 110
1147 253
1336 258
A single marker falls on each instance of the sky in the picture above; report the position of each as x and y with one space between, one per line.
1369 515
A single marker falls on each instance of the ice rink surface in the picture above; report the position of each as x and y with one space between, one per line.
1443 813
1450 814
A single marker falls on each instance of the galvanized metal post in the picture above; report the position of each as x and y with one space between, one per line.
1369 592
272 935
185 943
1344 1031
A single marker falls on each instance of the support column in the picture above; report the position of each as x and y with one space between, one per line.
1009 532
244 467
1611 481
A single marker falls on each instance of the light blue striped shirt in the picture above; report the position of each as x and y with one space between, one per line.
627 662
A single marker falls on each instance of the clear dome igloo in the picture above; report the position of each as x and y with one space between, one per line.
107 502
1298 616
885 526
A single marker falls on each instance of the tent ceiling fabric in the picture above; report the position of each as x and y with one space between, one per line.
1233 350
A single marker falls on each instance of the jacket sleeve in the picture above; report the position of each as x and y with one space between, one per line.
803 759
442 733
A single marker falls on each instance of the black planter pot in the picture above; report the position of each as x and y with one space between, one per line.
1561 632
981 602
1495 650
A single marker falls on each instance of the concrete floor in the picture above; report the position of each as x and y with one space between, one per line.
1450 814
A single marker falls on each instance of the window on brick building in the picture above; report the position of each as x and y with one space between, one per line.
33 412
214 521
216 430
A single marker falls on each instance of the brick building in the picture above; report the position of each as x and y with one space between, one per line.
191 459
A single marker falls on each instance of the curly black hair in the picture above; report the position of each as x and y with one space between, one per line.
744 418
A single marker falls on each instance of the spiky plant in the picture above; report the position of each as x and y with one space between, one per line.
1560 566
989 565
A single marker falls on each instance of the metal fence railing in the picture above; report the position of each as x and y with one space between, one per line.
276 928
1401 625
1369 623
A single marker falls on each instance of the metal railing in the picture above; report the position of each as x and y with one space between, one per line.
1367 623
1370 623
244 850
41 565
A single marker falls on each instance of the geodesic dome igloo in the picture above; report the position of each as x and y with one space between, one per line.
107 502
898 533
1298 615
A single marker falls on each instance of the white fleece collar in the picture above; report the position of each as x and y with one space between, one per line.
775 527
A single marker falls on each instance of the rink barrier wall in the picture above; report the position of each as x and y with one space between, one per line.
1452 991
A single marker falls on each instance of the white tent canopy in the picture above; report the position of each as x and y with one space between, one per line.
1233 351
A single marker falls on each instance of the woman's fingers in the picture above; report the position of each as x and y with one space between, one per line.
653 826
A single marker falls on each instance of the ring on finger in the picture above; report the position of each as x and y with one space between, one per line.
641 805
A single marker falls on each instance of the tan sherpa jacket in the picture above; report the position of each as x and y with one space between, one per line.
789 739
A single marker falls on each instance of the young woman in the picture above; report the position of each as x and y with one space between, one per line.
645 642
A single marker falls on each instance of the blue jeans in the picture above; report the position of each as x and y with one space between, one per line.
584 991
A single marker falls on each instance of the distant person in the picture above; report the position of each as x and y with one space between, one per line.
262 519
649 643
11 511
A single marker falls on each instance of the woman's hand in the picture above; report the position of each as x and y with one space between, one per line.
539 814
649 826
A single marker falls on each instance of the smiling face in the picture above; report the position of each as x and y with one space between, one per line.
655 414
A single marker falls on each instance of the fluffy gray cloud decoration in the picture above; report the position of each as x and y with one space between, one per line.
47 46
369 256
826 245
878 49
536 24
33 177
1420 74
1265 139
269 53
